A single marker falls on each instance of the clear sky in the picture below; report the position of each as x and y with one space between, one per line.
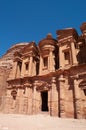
32 20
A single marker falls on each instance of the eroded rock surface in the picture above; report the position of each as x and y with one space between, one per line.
6 63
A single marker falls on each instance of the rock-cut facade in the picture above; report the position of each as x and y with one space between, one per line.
50 77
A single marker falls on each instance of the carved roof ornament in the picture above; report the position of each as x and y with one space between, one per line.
49 36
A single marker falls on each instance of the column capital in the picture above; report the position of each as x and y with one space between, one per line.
28 85
52 48
53 79
75 77
35 83
61 78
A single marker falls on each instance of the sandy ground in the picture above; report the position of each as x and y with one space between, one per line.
39 122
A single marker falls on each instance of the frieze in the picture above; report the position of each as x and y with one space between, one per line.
27 84
42 86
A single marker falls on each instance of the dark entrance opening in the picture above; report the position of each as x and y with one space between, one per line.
44 96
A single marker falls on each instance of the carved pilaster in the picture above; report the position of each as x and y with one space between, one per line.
30 66
21 100
7 102
18 73
61 56
51 61
34 98
73 51
62 95
53 98
14 71
41 65
77 99
23 69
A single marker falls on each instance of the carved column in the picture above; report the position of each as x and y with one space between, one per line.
34 68
21 100
14 71
30 66
41 65
18 72
77 99
51 61
17 102
73 51
62 95
34 99
61 56
7 102
54 98
23 69
28 94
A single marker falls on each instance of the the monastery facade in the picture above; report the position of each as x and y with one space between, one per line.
50 77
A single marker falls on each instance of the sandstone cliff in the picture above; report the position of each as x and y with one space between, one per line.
6 63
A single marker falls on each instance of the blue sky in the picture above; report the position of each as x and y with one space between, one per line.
32 20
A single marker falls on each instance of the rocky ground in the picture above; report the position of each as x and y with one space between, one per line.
39 122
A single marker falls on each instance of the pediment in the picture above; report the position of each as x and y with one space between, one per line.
31 47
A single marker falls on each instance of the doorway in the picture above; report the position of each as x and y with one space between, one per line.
44 98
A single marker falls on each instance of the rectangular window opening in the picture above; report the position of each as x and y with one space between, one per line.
26 66
20 65
45 60
67 57
84 91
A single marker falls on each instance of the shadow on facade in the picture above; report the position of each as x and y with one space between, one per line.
81 56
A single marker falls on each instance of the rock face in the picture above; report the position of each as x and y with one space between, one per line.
7 60
6 63
50 77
